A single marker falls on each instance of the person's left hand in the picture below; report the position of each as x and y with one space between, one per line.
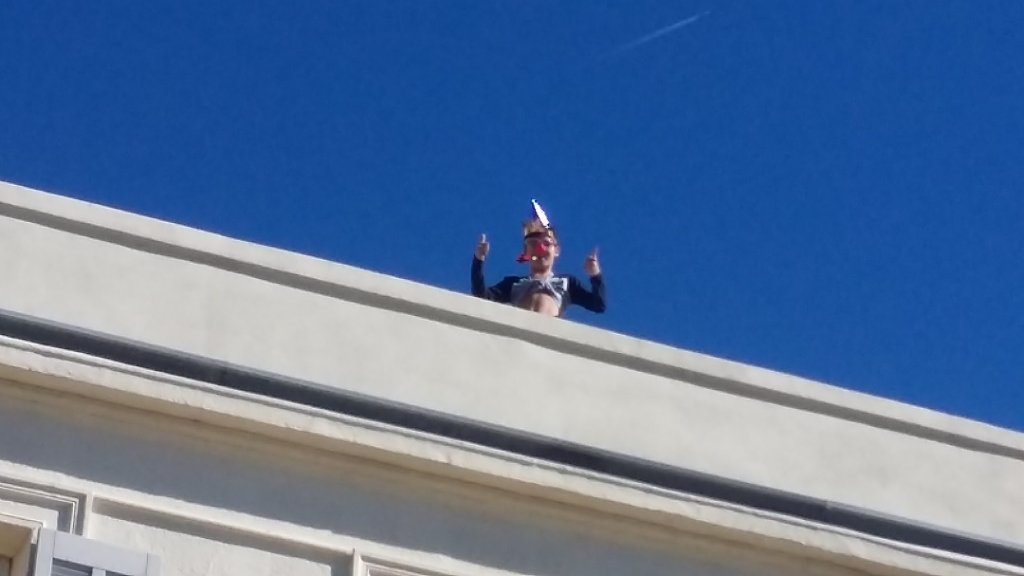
591 264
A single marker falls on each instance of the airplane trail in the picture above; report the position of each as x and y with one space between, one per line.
660 32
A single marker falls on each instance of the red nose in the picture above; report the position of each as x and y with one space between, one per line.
538 250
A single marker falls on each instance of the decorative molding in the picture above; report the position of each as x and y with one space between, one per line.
69 506
377 565
361 566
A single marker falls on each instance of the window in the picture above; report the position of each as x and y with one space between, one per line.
62 554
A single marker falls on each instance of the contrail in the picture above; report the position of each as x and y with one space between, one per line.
660 32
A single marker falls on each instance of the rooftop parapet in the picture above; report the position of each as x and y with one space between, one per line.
123 277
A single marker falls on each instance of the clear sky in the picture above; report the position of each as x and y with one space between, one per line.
830 189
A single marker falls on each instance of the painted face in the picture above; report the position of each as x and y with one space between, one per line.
540 250
541 246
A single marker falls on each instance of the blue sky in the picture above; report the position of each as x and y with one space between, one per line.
830 189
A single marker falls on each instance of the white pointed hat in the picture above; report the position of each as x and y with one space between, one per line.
538 223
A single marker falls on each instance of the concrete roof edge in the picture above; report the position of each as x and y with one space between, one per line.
380 290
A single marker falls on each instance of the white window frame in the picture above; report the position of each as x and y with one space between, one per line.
16 537
99 556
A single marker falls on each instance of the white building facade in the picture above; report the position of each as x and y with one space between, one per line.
173 402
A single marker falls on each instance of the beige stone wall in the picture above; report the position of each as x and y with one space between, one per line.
172 466
213 502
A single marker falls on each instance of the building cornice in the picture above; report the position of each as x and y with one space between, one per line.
302 413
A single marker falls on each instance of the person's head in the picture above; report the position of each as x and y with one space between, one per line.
540 248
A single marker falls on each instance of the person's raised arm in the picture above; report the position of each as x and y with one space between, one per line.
594 298
500 292
476 275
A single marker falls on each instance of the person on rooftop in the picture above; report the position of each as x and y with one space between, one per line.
541 290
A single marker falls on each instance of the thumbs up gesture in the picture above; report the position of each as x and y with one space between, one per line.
482 248
591 265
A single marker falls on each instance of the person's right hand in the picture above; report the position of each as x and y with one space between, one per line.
482 248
